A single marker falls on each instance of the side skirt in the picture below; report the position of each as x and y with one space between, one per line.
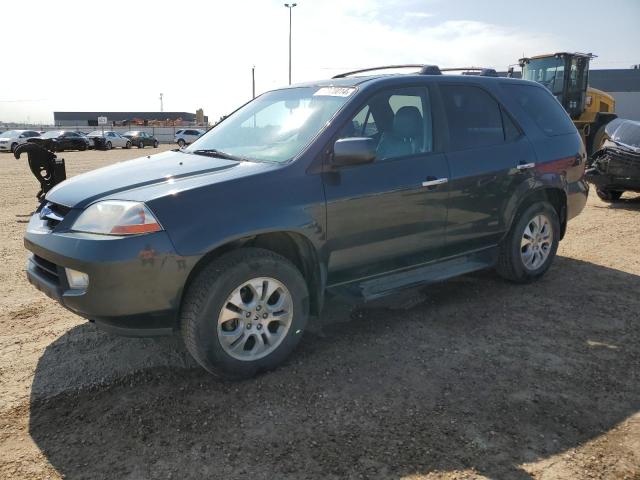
370 288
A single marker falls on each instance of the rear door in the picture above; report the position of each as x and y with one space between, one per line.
382 216
489 158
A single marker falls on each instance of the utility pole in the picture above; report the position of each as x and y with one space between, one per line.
161 106
290 7
253 82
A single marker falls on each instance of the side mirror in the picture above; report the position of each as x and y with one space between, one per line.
354 151
21 136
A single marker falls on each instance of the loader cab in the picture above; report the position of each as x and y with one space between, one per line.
565 74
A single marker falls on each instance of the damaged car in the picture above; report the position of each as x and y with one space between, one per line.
615 168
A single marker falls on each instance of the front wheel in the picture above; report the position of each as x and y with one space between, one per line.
14 145
181 143
609 196
244 313
529 248
128 145
140 144
155 144
109 145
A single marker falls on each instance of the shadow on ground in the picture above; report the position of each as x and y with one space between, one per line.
482 374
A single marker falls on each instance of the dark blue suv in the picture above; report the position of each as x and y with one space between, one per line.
359 186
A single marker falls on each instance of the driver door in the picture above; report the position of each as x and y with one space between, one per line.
390 213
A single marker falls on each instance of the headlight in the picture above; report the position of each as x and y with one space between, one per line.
117 217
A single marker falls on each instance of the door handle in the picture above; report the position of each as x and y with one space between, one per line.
526 166
434 182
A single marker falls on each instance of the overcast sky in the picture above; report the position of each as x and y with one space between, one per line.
119 55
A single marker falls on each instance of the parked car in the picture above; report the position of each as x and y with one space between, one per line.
61 140
109 140
354 186
10 139
615 168
141 139
185 137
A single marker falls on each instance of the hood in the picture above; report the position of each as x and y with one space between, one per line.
150 177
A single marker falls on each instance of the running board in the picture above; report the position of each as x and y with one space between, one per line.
386 284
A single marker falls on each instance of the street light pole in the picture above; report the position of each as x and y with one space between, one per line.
290 7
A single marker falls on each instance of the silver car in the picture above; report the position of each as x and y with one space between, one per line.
111 139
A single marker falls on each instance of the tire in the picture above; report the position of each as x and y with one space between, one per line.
213 289
609 196
598 139
83 147
155 144
140 144
181 143
14 145
511 263
109 145
128 145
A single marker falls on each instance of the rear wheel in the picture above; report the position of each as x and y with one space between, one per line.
609 196
155 144
140 144
244 313
83 147
531 245
181 143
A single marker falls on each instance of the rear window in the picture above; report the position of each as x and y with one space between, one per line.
542 108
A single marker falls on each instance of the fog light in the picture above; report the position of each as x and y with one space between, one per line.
77 280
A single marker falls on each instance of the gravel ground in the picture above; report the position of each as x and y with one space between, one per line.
477 378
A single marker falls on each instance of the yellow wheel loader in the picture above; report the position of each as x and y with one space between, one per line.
567 76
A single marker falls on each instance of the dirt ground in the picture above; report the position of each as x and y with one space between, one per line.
477 379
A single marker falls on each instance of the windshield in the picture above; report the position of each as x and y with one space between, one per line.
276 126
547 71
130 134
51 134
95 133
11 133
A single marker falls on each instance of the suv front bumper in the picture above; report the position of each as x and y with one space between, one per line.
135 282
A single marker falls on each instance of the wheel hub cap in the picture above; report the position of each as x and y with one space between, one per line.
255 319
536 242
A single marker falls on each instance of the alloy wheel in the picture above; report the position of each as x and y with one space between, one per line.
255 319
536 243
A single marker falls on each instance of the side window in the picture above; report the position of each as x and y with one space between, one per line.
362 125
473 117
511 131
399 120
542 108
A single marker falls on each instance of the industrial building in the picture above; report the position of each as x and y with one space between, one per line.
623 85
81 119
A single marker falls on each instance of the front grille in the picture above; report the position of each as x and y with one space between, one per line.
622 164
46 268
53 214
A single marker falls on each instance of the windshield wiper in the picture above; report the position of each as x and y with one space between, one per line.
212 152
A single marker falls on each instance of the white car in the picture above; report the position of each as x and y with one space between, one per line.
184 137
111 139
11 139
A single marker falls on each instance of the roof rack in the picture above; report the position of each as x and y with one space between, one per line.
482 71
424 69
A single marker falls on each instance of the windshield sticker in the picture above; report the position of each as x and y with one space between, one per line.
334 92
